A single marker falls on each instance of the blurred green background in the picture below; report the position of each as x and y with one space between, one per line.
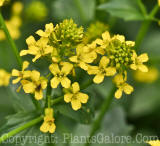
132 114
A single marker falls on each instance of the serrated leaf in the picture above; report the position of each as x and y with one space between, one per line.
125 9
15 120
18 98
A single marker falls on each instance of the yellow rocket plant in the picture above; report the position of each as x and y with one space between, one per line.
63 46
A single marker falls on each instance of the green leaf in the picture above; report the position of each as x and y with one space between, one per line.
18 98
114 123
125 9
82 11
15 120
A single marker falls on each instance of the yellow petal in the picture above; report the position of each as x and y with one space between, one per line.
92 70
15 72
82 97
30 40
130 43
52 128
133 66
104 61
67 67
48 50
143 57
38 95
65 82
43 84
26 74
110 71
55 82
128 89
118 93
106 36
25 65
143 68
118 79
36 57
99 41
98 78
23 52
73 59
76 104
68 97
45 127
28 86
16 80
40 32
75 87
35 75
83 65
54 68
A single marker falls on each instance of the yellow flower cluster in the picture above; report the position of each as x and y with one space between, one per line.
14 23
154 143
31 81
63 46
4 78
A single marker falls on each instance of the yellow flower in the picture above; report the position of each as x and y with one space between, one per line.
138 62
60 75
4 78
17 8
93 48
38 49
147 77
159 2
21 74
13 27
48 30
102 70
106 40
122 86
75 97
48 124
36 85
1 2
154 143
82 57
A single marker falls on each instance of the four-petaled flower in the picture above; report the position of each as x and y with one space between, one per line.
35 85
102 70
138 62
122 86
37 48
21 74
48 30
83 57
75 97
60 75
48 124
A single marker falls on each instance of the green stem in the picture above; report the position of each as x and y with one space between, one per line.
145 26
10 40
21 128
104 108
56 100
